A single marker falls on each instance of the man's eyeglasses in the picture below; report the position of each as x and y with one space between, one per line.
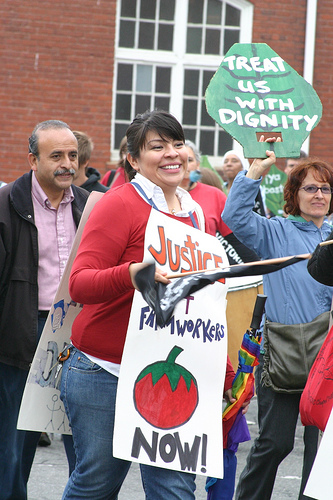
313 189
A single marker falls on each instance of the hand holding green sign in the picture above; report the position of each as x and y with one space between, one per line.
256 92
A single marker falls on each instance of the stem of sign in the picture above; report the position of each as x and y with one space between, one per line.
325 243
255 263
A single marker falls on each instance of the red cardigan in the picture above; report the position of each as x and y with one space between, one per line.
112 239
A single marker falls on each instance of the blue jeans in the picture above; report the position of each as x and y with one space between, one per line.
223 489
277 418
18 448
89 396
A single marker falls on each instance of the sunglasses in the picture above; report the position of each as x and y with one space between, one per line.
313 189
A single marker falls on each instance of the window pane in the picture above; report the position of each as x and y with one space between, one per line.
232 16
190 134
128 8
146 36
147 9
193 42
162 103
123 107
207 142
191 84
225 143
165 37
167 10
120 132
195 11
206 119
214 11
126 34
163 76
207 76
144 78
230 37
212 45
142 103
190 111
124 79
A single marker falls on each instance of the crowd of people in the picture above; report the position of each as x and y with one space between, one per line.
158 169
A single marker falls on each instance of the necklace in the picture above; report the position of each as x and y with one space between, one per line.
173 211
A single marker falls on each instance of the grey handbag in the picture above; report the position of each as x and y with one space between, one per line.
290 351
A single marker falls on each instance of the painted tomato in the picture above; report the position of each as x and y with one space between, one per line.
165 393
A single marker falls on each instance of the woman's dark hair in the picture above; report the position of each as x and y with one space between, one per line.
322 172
165 124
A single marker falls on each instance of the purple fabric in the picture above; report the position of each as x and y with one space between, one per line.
238 433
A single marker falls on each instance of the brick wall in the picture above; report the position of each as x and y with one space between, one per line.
56 62
282 27
322 136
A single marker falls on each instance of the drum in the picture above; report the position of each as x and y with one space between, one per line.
241 298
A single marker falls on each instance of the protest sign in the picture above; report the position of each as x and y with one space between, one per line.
272 187
319 484
169 398
41 408
254 92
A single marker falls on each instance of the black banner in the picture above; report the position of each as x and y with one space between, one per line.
163 298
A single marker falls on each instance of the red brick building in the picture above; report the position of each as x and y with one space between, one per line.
95 63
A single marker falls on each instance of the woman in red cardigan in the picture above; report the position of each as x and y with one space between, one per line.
103 280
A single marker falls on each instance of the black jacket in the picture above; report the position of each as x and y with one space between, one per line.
19 270
92 183
320 266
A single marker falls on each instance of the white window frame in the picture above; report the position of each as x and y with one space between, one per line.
177 59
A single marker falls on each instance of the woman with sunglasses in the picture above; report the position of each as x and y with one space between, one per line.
293 298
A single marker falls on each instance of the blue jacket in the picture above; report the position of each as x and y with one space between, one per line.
293 296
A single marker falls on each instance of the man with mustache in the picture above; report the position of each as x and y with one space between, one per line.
39 214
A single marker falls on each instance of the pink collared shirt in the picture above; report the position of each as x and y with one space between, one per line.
56 232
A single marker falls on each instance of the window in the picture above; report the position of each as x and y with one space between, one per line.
147 24
166 54
139 87
212 27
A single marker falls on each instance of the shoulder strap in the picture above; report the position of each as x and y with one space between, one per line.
201 217
111 176
139 188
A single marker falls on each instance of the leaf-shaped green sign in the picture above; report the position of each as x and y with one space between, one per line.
255 91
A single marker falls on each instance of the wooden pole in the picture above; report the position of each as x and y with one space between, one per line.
325 243
278 260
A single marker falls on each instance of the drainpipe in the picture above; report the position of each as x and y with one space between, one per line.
309 50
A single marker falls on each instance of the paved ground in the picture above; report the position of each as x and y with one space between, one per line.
49 472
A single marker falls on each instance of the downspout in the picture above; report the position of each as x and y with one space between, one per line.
309 50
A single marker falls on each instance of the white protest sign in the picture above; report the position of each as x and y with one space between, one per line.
169 399
319 484
41 408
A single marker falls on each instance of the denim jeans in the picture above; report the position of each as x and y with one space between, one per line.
223 489
277 418
17 447
89 395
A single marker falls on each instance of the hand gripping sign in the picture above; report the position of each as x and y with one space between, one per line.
255 92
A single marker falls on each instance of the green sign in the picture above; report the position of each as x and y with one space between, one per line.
272 187
256 92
